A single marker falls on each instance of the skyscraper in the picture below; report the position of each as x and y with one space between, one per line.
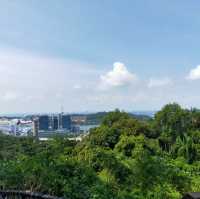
44 123
55 122
66 122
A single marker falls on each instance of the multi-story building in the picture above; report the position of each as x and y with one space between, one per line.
75 129
66 122
60 124
36 128
55 122
44 122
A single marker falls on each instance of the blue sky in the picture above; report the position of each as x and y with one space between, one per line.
98 55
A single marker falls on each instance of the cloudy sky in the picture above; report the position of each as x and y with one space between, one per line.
98 55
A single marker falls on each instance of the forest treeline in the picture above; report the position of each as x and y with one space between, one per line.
123 158
96 118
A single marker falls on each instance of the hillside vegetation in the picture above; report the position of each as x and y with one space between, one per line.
124 158
97 118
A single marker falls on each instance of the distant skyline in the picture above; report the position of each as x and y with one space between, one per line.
98 55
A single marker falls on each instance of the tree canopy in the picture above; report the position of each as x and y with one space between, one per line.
123 158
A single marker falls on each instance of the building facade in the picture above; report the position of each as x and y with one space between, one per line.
44 123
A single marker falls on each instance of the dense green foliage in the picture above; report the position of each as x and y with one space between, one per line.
97 118
124 158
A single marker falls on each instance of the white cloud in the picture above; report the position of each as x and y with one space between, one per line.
31 82
154 82
117 77
10 96
77 86
194 73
